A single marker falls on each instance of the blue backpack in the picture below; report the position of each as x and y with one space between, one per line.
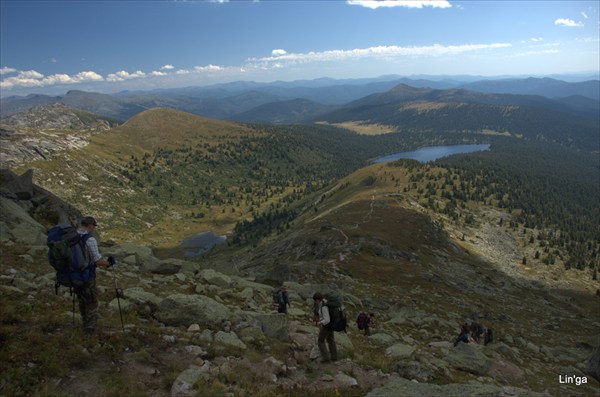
68 255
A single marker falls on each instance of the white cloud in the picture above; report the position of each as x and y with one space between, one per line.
88 76
380 52
278 52
536 39
182 71
6 70
123 75
583 14
31 78
167 67
373 4
568 22
29 74
158 73
208 68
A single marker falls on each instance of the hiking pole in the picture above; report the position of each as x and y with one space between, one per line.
118 291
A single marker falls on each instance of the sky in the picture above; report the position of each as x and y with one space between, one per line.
50 47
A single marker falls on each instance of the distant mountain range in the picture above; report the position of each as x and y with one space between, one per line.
407 108
270 102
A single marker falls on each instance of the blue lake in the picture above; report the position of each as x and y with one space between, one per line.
432 153
198 244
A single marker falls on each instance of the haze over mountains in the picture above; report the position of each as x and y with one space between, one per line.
260 102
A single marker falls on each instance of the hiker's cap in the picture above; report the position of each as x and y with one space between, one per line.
88 220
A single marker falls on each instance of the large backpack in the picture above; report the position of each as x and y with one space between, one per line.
68 255
362 321
337 316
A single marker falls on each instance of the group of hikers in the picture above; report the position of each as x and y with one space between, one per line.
71 248
475 332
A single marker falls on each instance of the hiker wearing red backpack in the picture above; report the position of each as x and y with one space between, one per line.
364 321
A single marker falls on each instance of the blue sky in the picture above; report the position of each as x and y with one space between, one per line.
108 46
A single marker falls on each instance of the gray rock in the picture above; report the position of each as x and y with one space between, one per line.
343 381
17 225
274 325
229 339
400 350
138 295
382 339
181 309
184 384
415 370
213 277
21 186
469 357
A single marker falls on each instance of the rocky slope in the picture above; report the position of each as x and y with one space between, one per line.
44 131
208 328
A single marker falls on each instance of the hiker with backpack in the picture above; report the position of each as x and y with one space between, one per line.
281 300
364 321
464 335
477 331
326 333
75 255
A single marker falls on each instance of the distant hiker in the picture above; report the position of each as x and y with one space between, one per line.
280 298
464 334
477 330
87 294
326 332
488 336
364 321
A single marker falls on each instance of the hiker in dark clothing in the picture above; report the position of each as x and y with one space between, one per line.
87 295
364 321
464 334
282 300
488 336
477 330
326 333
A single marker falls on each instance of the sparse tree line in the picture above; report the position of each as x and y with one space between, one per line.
552 193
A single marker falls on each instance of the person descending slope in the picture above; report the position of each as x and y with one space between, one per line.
323 321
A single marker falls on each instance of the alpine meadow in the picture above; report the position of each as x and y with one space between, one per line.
376 198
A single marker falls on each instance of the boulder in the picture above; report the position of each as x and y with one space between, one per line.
343 381
382 339
229 339
213 277
184 310
16 225
184 384
400 350
274 325
20 186
469 357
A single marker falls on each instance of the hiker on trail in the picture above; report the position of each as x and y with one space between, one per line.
477 330
464 334
326 333
364 321
87 295
282 300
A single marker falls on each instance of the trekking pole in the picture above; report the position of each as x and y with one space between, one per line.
118 291
73 295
